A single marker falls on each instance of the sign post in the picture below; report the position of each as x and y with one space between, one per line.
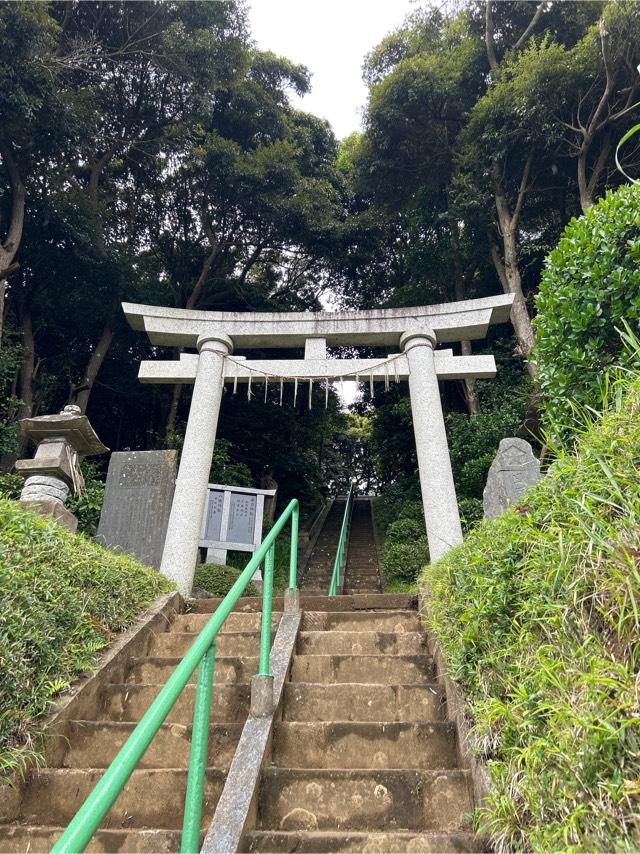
232 521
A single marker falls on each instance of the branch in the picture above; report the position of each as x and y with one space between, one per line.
14 235
207 264
532 23
592 126
489 36
522 190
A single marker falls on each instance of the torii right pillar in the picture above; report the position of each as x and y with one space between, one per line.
439 500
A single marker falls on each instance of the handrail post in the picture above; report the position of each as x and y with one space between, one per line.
337 575
267 601
190 843
293 552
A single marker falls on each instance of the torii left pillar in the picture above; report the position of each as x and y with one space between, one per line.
181 543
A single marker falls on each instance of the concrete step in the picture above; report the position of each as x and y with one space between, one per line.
311 842
367 621
361 643
152 797
176 644
18 839
123 702
304 799
385 669
157 670
362 702
361 602
236 622
365 745
361 589
93 744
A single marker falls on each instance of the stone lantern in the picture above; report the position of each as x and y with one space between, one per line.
62 440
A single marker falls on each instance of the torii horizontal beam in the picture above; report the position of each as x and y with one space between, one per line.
448 367
454 321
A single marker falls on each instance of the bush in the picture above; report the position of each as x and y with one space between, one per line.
88 505
404 561
61 599
590 283
538 620
405 530
218 579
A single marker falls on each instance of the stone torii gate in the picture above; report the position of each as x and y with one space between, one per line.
416 331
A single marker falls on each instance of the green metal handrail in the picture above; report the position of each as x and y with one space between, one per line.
338 564
200 654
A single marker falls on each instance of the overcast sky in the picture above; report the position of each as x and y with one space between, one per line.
330 37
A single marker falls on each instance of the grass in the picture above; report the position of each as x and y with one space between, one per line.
538 615
62 598
218 579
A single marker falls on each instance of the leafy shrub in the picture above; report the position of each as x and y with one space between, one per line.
403 561
471 511
61 599
590 283
88 505
538 620
218 579
11 485
405 530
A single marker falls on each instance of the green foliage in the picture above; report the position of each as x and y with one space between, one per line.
62 597
218 579
590 284
400 522
403 561
88 505
11 485
226 472
538 620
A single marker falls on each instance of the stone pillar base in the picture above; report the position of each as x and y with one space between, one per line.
291 600
51 508
261 696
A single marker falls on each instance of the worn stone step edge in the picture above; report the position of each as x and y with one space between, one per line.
372 842
328 695
16 839
402 745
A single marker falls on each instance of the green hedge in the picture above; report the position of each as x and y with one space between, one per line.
61 599
218 579
591 282
538 617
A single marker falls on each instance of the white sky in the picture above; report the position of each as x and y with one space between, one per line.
330 37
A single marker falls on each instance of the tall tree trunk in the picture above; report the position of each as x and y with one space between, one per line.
82 391
25 385
170 425
461 277
10 245
507 266
471 396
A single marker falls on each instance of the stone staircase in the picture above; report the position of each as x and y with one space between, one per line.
363 758
148 814
361 573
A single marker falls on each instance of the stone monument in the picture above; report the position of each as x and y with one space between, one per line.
513 471
62 440
137 503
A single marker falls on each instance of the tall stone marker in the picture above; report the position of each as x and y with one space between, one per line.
513 471
137 503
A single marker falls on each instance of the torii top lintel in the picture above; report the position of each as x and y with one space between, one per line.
454 321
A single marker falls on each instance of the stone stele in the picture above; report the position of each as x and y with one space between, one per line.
513 471
137 503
